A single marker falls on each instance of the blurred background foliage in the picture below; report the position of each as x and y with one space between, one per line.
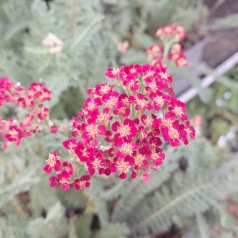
194 194
220 114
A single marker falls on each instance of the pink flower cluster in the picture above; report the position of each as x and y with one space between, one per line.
174 30
155 55
54 44
65 172
123 132
168 35
30 102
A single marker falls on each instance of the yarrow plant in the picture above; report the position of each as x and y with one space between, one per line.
170 48
122 131
29 103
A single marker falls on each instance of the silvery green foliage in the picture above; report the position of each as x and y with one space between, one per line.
53 225
12 227
113 230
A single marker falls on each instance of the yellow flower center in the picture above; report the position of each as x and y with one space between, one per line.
153 86
141 102
111 102
132 71
139 160
178 111
51 161
163 75
126 148
124 130
96 163
91 105
92 130
122 166
159 101
103 118
149 121
167 123
173 133
13 133
105 89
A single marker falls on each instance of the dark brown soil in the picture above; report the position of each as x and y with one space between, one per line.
225 9
192 37
222 43
172 232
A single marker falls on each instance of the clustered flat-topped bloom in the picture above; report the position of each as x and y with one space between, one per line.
122 47
54 44
156 55
122 133
170 36
31 101
174 30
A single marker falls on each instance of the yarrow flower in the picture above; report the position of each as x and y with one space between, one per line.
170 36
122 47
121 132
54 43
30 101
171 30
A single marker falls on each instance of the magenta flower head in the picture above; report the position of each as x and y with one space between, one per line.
123 131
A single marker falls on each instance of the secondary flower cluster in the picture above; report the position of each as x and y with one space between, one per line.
31 110
174 30
156 55
122 133
170 48
54 44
